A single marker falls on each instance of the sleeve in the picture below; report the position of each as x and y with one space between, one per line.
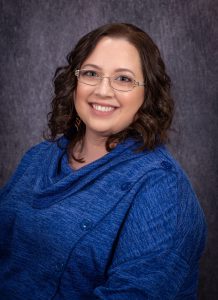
160 243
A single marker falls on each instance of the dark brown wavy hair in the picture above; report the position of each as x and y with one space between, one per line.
154 117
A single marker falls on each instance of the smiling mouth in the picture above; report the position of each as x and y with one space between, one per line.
102 108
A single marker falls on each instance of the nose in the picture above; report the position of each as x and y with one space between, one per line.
104 88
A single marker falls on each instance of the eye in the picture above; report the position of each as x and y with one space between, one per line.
89 73
125 78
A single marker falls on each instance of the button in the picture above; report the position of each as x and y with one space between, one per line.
86 225
59 267
166 165
126 186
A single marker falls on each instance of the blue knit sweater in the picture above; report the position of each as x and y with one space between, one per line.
127 226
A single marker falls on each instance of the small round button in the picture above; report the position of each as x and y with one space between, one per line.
85 225
59 267
166 165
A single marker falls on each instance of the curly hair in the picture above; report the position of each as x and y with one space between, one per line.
154 117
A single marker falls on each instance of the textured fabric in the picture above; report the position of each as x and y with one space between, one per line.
127 226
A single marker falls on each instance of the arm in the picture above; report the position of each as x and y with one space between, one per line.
160 243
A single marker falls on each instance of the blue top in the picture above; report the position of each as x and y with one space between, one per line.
126 226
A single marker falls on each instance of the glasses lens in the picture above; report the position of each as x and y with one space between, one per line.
88 77
122 83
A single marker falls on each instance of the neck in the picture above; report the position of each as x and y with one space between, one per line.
92 148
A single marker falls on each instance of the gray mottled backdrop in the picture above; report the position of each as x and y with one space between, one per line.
37 35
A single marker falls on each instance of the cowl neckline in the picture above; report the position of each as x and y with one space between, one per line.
56 179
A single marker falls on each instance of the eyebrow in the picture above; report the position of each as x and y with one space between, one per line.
117 70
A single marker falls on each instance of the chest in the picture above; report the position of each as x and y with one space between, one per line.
73 237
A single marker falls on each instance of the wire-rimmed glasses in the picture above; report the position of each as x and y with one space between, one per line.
119 82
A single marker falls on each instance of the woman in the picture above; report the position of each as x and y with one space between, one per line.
104 211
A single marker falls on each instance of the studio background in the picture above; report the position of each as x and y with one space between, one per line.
35 38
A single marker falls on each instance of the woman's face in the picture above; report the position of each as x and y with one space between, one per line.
103 110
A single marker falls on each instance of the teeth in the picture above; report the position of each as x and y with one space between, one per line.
102 108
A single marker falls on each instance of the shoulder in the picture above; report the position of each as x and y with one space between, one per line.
35 150
158 162
154 170
32 157
40 149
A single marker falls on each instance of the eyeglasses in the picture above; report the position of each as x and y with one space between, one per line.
118 82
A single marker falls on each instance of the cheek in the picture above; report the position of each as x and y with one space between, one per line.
77 94
134 102
82 93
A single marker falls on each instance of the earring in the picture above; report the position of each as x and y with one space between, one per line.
77 123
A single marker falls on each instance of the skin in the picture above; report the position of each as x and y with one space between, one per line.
109 55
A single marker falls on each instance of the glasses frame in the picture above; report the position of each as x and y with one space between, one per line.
135 83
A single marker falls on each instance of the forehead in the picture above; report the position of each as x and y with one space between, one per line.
111 53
